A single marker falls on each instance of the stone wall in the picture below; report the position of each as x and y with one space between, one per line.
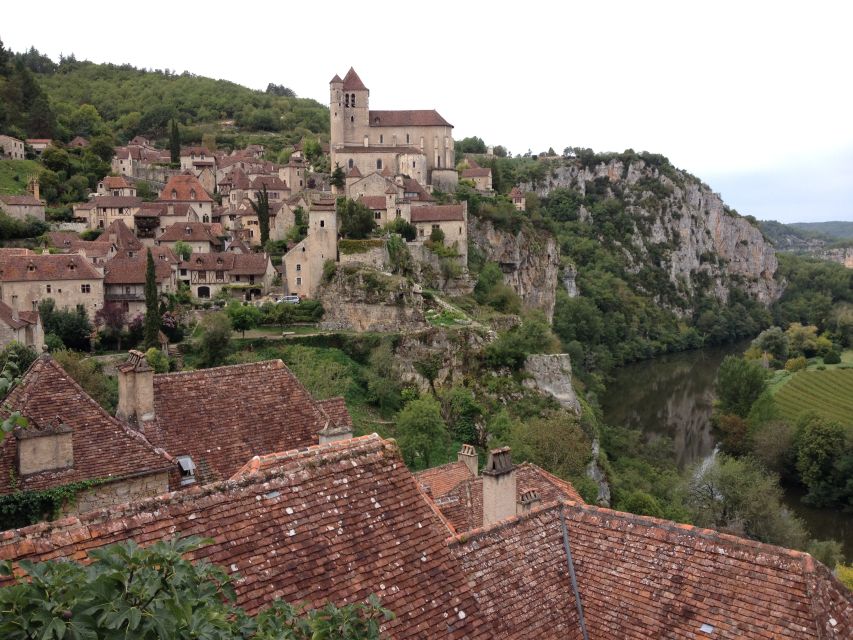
121 491
374 256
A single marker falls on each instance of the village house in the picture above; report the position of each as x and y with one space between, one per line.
124 278
106 209
12 148
78 142
200 237
70 438
302 266
186 189
450 219
39 144
22 207
153 218
69 279
558 569
480 176
115 186
137 157
23 327
518 199
202 164
418 144
245 275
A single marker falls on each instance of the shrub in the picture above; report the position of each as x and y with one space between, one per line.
833 357
796 364
437 236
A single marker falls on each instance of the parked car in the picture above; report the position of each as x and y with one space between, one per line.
292 299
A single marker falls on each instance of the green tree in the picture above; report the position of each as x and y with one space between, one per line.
157 360
421 433
356 219
825 461
72 327
739 383
338 179
183 250
261 207
773 341
554 441
175 142
462 413
243 317
151 593
215 338
152 307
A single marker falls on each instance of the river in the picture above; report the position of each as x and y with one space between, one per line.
674 395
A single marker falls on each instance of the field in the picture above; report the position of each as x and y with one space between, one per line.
13 175
828 393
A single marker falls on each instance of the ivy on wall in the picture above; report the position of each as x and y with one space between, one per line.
23 508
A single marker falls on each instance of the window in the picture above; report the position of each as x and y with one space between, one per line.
413 164
127 290
192 194
349 164
377 215
346 99
352 118
187 467
398 213
220 275
48 288
85 288
298 281
183 272
174 194
381 138
421 231
407 138
436 227
298 267
352 99
379 163
322 223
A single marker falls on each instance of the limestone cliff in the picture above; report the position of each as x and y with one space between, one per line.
679 225
552 375
530 261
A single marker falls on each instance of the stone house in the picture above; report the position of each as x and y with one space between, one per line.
558 569
451 219
12 148
22 207
186 189
415 143
39 144
124 278
480 176
23 327
78 142
302 270
518 199
199 236
153 218
293 174
69 279
115 186
251 275
104 210
138 157
70 438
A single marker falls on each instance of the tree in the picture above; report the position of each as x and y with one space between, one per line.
773 341
243 317
356 219
151 593
215 338
261 207
739 383
113 318
152 308
72 327
554 441
175 142
737 496
338 177
183 250
825 461
421 433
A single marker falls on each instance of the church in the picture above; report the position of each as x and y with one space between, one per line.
414 143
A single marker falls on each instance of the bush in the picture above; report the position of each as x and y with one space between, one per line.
422 433
833 357
642 504
437 236
215 338
796 364
157 360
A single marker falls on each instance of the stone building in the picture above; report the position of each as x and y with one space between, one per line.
450 219
22 207
12 148
23 327
199 236
124 278
186 189
70 280
303 264
247 276
115 186
106 209
480 176
518 199
417 143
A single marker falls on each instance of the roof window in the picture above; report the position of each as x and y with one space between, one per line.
706 628
187 467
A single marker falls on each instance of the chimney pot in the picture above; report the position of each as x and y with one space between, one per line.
528 500
468 455
499 486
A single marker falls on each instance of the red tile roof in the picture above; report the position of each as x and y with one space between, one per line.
7 315
352 82
410 185
640 577
189 232
476 172
103 447
115 182
7 252
119 234
36 268
337 78
438 213
336 409
225 415
334 523
442 480
236 263
374 202
354 173
124 270
516 193
184 185
25 200
273 183
408 118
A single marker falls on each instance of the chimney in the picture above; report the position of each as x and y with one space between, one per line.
499 491
332 433
15 316
44 449
135 390
468 455
528 500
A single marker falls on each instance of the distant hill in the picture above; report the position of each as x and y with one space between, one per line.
89 99
836 230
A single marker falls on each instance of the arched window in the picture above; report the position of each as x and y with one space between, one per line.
346 99
407 138
379 163
352 99
349 163
192 194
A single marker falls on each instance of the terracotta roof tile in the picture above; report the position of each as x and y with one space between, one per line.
354 173
103 447
225 415
25 200
332 523
438 213
476 172
336 409
273 183
442 480
374 202
115 182
352 82
112 202
184 185
408 118
37 268
189 232
7 315
124 270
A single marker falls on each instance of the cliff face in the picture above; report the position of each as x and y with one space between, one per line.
679 225
530 261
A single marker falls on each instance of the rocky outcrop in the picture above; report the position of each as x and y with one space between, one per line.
362 299
680 226
843 255
551 374
441 354
569 278
530 261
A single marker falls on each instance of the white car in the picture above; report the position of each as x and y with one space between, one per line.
292 299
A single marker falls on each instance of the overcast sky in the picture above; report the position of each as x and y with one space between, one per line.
755 98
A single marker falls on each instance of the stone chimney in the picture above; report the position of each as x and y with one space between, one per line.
15 316
333 432
499 490
135 390
468 455
528 500
33 187
44 449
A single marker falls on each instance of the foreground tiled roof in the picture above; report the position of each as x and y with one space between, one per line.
641 578
103 447
409 118
223 416
36 268
442 480
335 522
115 182
438 213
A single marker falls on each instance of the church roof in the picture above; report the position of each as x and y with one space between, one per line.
336 79
352 82
408 118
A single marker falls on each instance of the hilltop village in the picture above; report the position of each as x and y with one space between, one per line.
298 505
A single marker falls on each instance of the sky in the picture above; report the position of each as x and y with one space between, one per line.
755 98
